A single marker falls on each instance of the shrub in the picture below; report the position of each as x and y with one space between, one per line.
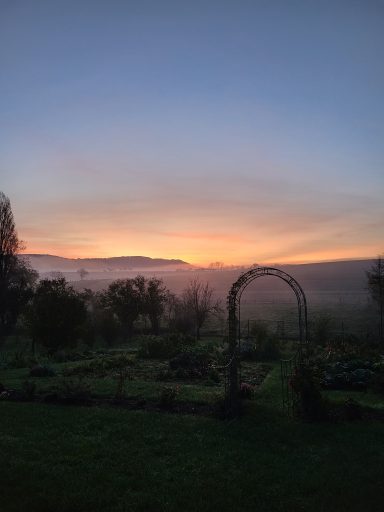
306 384
265 350
268 350
28 389
160 347
352 410
320 327
20 360
214 375
108 326
41 371
100 366
168 395
194 362
354 374
263 346
377 383
71 391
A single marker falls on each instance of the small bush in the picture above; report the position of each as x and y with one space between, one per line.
352 410
20 360
28 390
63 356
71 391
161 347
41 371
214 375
353 374
377 383
306 384
168 395
265 350
194 362
268 350
100 366
262 346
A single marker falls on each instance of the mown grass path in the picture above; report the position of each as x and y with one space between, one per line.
67 459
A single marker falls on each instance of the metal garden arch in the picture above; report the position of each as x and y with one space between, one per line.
233 304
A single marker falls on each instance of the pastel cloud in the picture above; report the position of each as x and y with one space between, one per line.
269 223
230 134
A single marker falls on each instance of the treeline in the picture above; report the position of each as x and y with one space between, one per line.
56 317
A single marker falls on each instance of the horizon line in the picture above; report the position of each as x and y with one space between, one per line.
201 265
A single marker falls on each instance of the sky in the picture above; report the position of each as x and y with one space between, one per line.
215 130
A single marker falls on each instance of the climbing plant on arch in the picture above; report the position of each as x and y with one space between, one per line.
234 304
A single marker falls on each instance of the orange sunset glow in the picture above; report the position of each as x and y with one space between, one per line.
249 150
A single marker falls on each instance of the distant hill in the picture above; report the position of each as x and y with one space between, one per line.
347 277
48 263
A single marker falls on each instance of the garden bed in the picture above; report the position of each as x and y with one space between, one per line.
132 404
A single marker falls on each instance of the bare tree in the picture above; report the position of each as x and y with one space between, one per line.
198 300
375 278
216 265
82 273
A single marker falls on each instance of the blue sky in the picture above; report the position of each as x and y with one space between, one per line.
218 130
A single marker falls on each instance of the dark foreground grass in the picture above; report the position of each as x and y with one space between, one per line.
69 459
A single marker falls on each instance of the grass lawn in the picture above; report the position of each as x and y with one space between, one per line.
55 458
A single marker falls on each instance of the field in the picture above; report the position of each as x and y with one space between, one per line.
109 458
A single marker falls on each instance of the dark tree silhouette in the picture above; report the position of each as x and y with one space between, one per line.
129 298
56 315
198 300
82 273
375 278
9 242
123 298
16 276
154 302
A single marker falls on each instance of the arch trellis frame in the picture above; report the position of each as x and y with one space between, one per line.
234 303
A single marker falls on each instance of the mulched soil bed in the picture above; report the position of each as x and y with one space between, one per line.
133 404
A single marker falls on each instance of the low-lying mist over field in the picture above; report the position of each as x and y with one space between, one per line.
334 290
